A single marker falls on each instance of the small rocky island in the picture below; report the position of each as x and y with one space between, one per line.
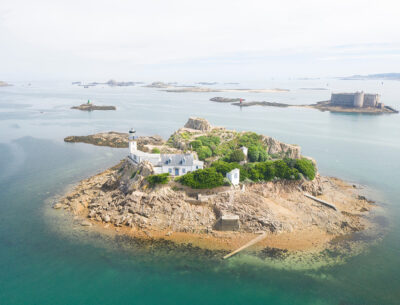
120 140
90 107
217 189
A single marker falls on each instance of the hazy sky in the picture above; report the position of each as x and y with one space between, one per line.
196 40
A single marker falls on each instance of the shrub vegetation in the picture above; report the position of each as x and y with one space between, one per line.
236 156
306 167
158 179
288 169
225 149
202 179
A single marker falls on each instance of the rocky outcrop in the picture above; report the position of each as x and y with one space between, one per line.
115 139
198 124
111 139
274 147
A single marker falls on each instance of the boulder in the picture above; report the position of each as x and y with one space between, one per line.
86 223
110 184
275 147
58 206
198 124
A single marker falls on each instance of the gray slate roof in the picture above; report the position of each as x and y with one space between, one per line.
177 160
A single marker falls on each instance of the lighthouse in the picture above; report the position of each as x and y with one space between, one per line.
132 141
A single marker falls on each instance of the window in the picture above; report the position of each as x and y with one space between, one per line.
197 167
183 170
236 175
170 170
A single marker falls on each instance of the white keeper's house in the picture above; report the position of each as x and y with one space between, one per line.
174 164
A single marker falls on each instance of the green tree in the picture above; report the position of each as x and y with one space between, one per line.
155 150
253 154
263 155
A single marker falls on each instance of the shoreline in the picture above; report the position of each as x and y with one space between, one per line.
303 240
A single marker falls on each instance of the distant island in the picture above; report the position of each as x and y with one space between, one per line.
205 89
160 85
90 107
4 84
207 83
218 190
111 83
380 76
175 88
358 102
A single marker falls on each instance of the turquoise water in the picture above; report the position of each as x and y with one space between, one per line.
46 259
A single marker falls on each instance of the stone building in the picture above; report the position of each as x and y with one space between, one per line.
356 100
234 176
174 164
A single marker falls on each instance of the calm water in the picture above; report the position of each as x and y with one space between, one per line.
46 260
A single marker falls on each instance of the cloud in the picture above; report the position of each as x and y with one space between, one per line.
74 36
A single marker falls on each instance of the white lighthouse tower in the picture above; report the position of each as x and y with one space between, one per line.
132 141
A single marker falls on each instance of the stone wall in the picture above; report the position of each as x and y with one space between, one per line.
342 99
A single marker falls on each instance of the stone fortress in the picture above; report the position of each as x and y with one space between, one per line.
356 100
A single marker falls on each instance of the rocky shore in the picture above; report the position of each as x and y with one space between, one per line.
113 199
121 198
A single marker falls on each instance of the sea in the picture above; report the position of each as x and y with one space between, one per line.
46 257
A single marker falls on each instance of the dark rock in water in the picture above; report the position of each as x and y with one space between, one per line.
274 253
268 104
167 247
219 99
91 107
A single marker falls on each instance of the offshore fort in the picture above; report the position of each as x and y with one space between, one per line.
357 102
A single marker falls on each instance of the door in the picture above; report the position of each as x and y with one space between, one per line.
176 171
